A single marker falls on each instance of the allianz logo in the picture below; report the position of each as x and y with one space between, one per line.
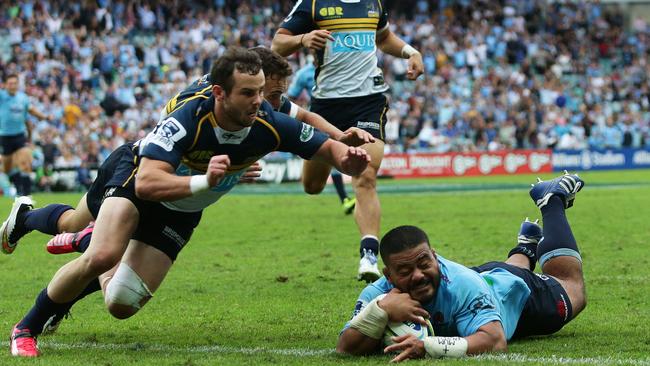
353 42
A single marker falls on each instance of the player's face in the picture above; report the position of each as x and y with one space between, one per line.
12 85
244 100
273 90
415 271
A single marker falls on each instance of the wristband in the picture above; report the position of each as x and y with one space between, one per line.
454 347
408 51
199 183
371 321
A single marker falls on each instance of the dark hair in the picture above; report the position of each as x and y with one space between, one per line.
235 58
9 76
401 238
272 63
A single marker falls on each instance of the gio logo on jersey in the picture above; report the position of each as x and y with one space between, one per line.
306 133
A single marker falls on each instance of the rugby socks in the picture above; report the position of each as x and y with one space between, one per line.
337 179
369 242
45 219
527 249
44 308
26 184
14 178
558 239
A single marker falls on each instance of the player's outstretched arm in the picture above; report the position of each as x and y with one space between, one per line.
346 159
156 179
488 338
353 342
352 137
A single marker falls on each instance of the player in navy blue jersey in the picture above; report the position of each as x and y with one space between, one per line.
207 137
479 309
349 92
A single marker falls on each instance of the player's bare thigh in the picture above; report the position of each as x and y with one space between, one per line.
568 272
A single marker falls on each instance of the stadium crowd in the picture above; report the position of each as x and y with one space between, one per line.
499 74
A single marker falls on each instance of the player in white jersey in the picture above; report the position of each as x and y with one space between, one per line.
479 309
348 92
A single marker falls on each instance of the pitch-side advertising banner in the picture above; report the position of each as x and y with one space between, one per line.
601 159
461 164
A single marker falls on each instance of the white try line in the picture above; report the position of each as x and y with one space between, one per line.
515 358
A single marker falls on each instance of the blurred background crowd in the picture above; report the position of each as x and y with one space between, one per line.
499 74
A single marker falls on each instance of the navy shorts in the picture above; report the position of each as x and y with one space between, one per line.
548 308
12 143
159 227
367 113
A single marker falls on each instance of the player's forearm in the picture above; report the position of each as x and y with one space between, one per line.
285 43
391 44
353 342
155 185
36 113
320 123
487 340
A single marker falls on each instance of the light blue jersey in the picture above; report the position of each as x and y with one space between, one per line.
303 80
13 113
465 300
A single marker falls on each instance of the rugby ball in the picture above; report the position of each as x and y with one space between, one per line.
396 329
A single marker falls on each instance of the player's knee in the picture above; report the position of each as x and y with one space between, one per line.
313 187
99 262
126 292
366 181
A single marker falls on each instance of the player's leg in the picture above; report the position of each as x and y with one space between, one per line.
524 254
136 279
23 161
116 222
314 176
347 203
558 252
161 235
368 212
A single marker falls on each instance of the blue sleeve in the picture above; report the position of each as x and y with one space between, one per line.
285 105
300 18
297 137
170 138
367 295
476 305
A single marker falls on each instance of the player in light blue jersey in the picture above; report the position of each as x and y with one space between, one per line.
479 309
303 81
349 91
16 134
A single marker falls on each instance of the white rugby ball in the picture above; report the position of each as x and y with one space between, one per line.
396 329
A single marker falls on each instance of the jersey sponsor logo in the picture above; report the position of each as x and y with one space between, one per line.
166 134
109 192
174 236
368 125
353 42
482 302
331 12
307 132
358 307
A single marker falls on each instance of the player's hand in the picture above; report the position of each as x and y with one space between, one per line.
252 173
316 39
355 161
401 307
355 136
408 345
415 66
217 169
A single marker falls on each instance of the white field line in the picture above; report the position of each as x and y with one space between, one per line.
514 358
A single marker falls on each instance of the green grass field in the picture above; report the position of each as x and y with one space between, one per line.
269 278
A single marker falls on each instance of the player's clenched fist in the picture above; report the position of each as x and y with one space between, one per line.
316 39
217 169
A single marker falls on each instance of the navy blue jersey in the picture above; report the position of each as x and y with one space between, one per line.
188 136
347 66
287 107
